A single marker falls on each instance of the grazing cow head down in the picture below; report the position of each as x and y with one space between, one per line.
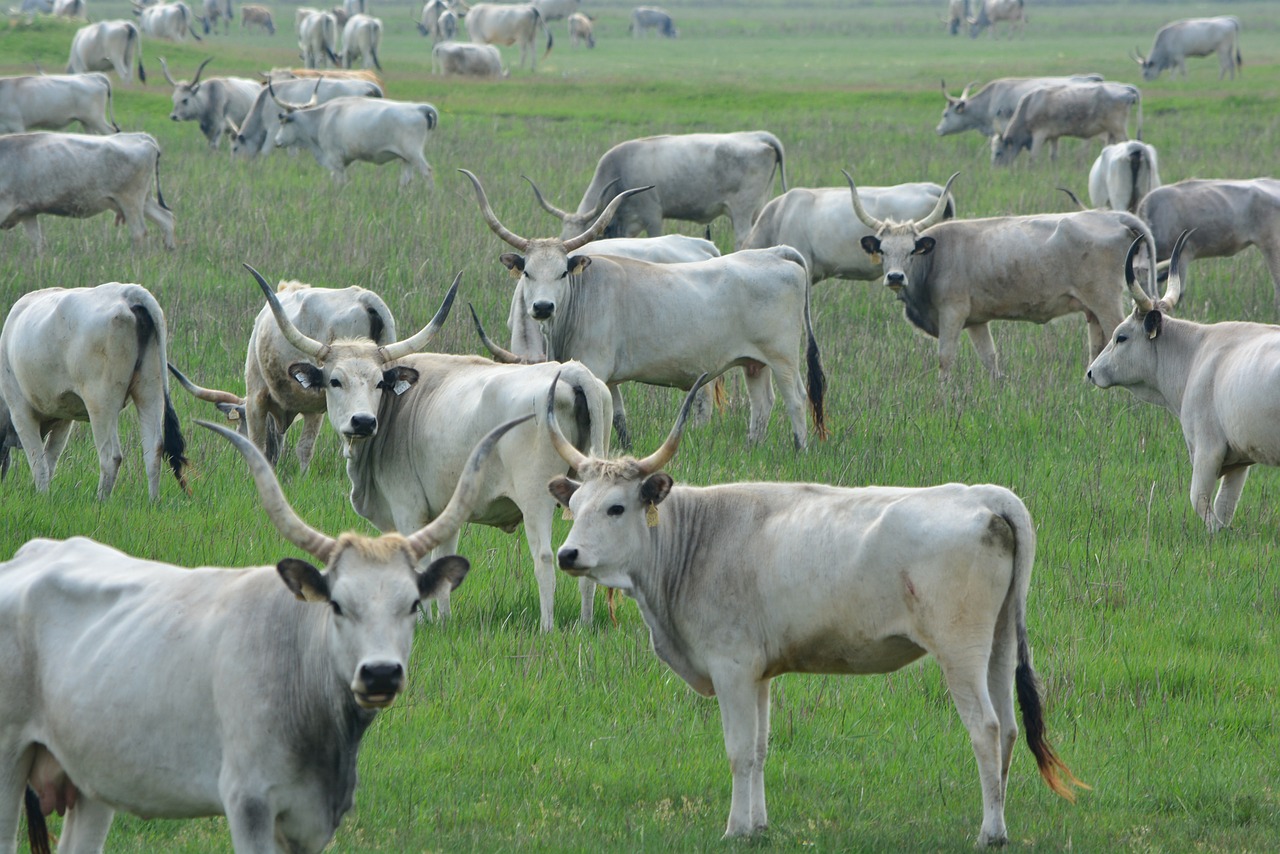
1005 148
895 243
187 104
546 265
354 373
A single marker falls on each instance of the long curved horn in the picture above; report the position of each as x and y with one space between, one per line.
940 209
310 346
195 81
663 455
571 455
1074 198
546 206
282 515
947 94
418 342
867 219
602 222
1138 57
964 93
495 226
1173 288
500 354
164 67
201 393
289 106
1141 297
595 212
458 511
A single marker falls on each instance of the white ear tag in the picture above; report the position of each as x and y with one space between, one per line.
303 379
400 387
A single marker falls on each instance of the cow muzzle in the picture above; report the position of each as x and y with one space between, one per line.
895 281
377 685
361 426
173 117
542 309
568 560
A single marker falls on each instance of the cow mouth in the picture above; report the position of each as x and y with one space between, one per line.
540 314
374 701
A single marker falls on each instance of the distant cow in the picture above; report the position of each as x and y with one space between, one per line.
1228 217
257 135
501 24
1122 175
742 582
83 354
259 16
992 12
646 18
1081 110
215 10
696 177
318 39
68 174
957 15
467 60
581 30
107 45
1218 379
70 9
361 37
555 10
215 103
53 101
988 111
170 21
1194 37
438 21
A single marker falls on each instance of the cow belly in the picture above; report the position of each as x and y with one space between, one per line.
830 653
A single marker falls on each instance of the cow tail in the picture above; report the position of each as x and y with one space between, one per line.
545 29
1139 91
111 108
780 156
159 193
137 40
37 830
173 446
1136 156
817 379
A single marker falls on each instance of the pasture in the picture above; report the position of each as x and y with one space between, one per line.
1157 643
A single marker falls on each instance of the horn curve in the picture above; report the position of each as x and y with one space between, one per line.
602 222
500 354
935 216
310 346
546 206
659 458
195 81
416 342
867 219
201 393
486 210
164 67
1140 296
1173 288
571 455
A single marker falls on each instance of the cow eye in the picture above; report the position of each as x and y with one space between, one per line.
564 274
415 608
616 510
335 383
337 609
1120 339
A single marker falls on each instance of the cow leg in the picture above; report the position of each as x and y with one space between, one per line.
56 442
1206 464
759 815
105 424
256 414
32 227
1272 256
739 694
150 406
759 381
1001 668
620 418
253 827
950 323
86 827
27 425
422 167
311 424
1224 506
15 769
980 336
967 681
163 218
537 531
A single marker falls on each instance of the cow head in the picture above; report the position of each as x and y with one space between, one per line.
354 373
1150 70
953 115
1006 146
575 223
230 405
288 133
894 243
615 503
547 263
1129 359
188 103
371 586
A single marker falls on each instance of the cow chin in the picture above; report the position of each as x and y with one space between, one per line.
374 702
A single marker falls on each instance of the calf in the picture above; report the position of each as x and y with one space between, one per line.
647 18
467 60
259 16
580 30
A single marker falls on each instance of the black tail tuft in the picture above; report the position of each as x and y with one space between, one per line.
817 387
37 830
174 445
1054 771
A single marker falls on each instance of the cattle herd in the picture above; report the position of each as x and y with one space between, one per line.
432 441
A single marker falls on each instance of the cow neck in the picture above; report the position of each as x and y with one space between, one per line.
561 331
918 297
362 467
1179 343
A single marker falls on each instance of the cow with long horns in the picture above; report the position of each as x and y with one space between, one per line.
1193 37
217 103
989 109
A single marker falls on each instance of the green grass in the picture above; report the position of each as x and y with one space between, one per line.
1156 642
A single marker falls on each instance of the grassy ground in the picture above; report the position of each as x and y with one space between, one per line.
1157 643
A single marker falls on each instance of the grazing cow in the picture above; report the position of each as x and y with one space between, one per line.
960 275
344 130
992 12
215 10
1218 379
82 354
215 104
263 699
406 419
256 136
646 18
107 45
467 60
1194 37
259 16
1228 217
71 174
696 177
278 74
318 39
438 21
817 223
555 10
230 405
846 581
70 9
353 7
53 101
170 21
630 320
361 37
581 30
1122 175
988 111
500 24
1082 110
957 15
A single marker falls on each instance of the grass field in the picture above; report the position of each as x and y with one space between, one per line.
1157 643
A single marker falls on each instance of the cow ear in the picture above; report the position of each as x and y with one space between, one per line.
924 246
960 107
562 489
1153 322
655 488
443 574
234 412
871 244
513 262
306 375
398 379
578 263
303 580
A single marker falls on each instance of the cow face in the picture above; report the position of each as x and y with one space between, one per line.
288 133
354 379
544 272
1004 149
1129 359
189 103
895 245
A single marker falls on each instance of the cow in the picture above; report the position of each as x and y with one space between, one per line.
1228 217
353 7
70 9
838 580
232 407
344 130
259 16
438 21
817 223
170 21
216 103
630 320
277 74
581 30
1217 379
406 419
1081 110
215 10
1193 37
555 10
990 109
1122 175
82 354
959 275
257 134
107 45
318 39
263 699
361 37
70 174
696 177
992 12
53 101
501 24
957 15
646 18
464 59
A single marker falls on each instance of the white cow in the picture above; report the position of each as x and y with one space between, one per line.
361 37
258 132
1081 110
53 101
107 45
647 18
82 354
581 30
171 21
70 9
957 15
215 10
438 21
318 39
71 174
989 110
501 24
263 699
217 103
555 10
1194 37
848 581
1122 175
467 60
992 12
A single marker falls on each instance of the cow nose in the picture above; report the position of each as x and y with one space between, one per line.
567 558
173 117
542 309
381 678
895 279
363 425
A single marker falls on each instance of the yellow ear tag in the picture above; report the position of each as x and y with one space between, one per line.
515 272
875 258
565 512
651 515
